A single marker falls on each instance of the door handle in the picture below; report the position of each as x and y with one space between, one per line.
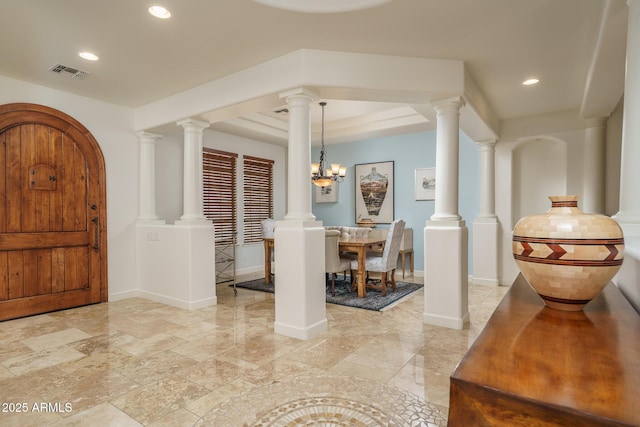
96 223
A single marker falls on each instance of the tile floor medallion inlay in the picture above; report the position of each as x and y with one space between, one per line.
325 401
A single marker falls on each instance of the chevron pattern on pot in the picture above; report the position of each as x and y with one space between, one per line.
577 252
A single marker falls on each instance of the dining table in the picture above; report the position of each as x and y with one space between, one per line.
357 245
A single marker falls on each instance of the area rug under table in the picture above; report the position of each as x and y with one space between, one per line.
344 296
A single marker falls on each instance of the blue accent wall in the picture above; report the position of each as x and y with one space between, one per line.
408 152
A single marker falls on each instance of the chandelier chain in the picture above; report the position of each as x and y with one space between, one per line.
322 150
320 175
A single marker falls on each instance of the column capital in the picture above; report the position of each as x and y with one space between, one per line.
193 123
448 104
192 182
299 92
299 152
487 144
447 158
596 122
299 101
147 179
148 135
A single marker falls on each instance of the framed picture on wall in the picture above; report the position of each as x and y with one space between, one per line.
327 194
374 192
425 185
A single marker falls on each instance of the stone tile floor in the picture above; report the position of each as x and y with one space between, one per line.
137 362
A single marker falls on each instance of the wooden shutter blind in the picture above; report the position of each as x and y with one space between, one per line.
258 196
219 185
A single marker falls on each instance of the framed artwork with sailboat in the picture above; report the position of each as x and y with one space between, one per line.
425 184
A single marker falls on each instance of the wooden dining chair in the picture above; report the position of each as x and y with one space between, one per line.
386 262
268 231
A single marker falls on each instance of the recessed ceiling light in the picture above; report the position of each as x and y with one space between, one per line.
88 56
160 12
530 82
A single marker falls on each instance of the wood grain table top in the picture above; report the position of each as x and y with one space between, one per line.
585 363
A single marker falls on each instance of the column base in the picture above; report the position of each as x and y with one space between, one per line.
300 296
492 283
175 264
485 251
306 333
446 322
446 283
300 217
193 222
150 221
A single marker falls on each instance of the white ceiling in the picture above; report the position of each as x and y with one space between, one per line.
575 47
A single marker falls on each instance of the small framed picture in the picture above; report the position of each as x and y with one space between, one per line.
425 184
327 194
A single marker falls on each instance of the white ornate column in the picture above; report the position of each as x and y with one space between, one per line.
447 153
299 240
147 179
446 237
486 225
192 184
299 155
593 200
629 214
183 250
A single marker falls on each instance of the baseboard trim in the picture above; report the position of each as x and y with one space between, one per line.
485 282
174 302
446 322
307 333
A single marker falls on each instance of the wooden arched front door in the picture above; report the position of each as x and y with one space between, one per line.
53 245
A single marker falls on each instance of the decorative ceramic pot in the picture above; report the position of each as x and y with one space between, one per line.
367 222
568 256
374 190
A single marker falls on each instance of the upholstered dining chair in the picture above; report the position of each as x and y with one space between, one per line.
268 227
268 231
385 263
332 260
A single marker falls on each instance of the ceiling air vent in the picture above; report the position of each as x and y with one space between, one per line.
68 71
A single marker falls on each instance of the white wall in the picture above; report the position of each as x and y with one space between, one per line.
613 152
169 157
628 278
522 181
174 265
539 170
112 127
536 157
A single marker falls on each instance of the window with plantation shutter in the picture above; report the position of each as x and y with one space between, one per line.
219 187
258 196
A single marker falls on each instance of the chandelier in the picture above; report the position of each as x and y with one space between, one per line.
319 175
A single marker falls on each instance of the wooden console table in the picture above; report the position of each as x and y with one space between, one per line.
536 366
